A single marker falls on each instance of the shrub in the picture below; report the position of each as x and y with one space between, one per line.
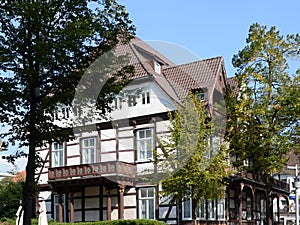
118 222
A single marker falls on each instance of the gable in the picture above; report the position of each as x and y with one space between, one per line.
140 99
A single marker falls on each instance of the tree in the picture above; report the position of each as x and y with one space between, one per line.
10 196
45 48
266 109
192 160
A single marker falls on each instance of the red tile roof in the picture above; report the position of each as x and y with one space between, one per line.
175 80
19 177
195 75
232 82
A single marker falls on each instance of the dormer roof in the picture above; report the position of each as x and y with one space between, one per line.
175 80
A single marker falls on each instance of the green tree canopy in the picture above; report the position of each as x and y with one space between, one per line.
264 115
10 197
45 47
192 161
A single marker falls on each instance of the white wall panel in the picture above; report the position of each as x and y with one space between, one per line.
77 216
108 157
126 143
92 215
91 203
126 157
130 200
125 133
108 134
108 146
91 191
130 214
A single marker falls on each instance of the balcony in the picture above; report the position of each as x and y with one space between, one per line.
280 184
277 184
115 168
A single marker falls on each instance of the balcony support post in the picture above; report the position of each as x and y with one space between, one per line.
121 201
108 205
60 208
71 208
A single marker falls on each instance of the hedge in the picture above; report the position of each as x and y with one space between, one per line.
5 221
119 222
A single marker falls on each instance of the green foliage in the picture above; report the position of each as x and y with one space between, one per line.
122 222
192 159
45 48
265 111
10 196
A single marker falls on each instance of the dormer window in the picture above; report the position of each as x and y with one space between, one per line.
146 98
157 67
200 94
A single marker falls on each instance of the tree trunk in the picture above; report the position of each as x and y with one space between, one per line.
29 191
270 217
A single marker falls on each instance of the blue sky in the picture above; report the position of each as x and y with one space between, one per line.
210 28
206 28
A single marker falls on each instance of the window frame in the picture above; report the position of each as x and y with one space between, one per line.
211 204
61 161
84 148
201 210
147 199
184 200
139 140
221 202
56 206
146 98
157 67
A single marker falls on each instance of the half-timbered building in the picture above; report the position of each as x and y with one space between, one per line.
96 176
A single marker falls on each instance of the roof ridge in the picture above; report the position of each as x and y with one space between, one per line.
194 62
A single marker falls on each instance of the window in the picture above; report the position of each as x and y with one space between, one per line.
147 203
131 100
57 154
118 102
144 144
63 112
187 209
201 212
157 67
263 206
88 150
56 204
66 112
221 209
146 98
211 209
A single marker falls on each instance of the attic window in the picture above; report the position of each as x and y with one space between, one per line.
157 67
146 98
200 94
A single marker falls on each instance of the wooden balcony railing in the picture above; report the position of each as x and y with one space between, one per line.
280 184
274 182
96 169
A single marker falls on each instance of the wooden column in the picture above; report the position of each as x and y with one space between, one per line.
241 203
60 208
71 208
108 205
278 209
121 201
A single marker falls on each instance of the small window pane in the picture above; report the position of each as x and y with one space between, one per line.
142 134
151 192
148 133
